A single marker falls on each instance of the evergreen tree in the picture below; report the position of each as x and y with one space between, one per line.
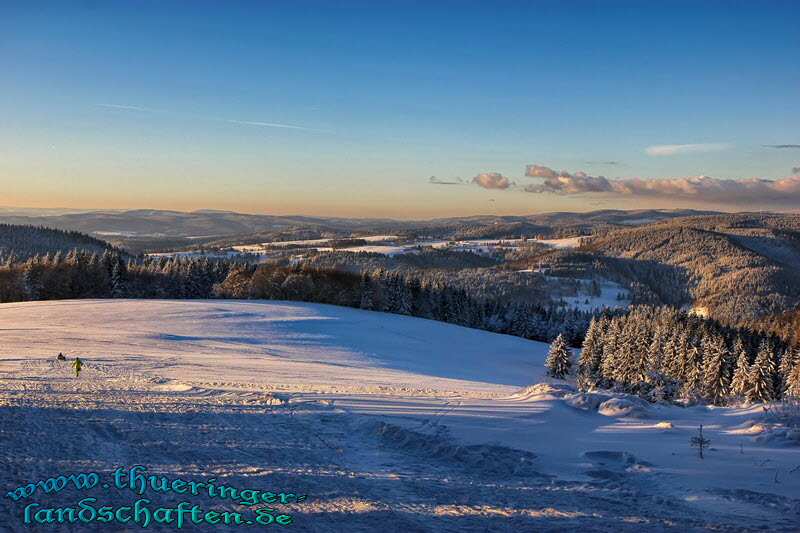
592 352
560 359
793 380
32 283
762 376
716 376
118 283
741 383
787 360
404 300
655 355
610 363
366 293
694 369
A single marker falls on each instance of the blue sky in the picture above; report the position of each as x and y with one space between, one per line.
348 108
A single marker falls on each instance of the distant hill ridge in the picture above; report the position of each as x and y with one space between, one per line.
24 241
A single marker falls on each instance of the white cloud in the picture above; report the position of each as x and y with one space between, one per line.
670 149
703 188
492 180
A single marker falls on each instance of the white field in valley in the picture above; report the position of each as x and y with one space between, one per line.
386 422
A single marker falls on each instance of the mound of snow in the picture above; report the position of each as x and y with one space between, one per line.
623 407
609 404
588 401
781 435
543 390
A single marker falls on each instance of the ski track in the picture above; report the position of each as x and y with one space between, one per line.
370 458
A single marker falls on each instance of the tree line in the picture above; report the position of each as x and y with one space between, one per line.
83 274
661 353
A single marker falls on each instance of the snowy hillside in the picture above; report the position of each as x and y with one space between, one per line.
386 422
278 343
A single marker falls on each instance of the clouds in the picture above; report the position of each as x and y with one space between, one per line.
492 180
433 180
672 149
535 171
795 170
562 182
700 188
782 145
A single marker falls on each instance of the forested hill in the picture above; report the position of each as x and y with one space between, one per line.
23 242
739 267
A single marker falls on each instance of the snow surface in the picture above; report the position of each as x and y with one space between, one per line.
384 249
388 423
477 246
608 293
562 244
608 297
210 254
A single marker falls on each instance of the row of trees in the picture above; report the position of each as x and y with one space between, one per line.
81 274
19 243
396 292
84 274
665 354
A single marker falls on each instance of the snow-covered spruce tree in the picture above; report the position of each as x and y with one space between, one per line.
32 283
118 283
716 375
609 364
560 359
787 359
404 298
625 358
793 380
522 322
592 352
693 362
390 294
655 354
635 342
669 362
762 388
366 293
741 383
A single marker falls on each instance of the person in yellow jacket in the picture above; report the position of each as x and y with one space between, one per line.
77 364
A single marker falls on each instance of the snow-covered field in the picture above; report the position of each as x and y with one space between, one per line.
609 291
387 423
211 254
383 244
